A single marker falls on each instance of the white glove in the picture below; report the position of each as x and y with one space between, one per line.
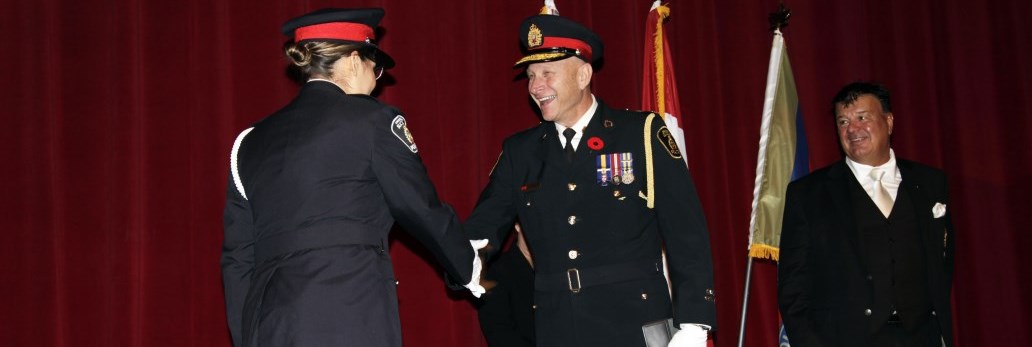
690 335
474 284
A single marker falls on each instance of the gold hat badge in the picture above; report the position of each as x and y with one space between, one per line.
533 36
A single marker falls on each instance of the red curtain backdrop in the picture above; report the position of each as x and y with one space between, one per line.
118 117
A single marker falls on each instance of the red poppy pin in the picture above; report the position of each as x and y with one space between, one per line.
595 143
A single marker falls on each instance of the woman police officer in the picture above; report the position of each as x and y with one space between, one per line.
314 190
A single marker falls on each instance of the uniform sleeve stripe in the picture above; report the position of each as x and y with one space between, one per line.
233 162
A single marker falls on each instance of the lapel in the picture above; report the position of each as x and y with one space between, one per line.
548 151
839 180
922 204
918 197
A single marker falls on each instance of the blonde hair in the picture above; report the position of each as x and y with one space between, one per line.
317 57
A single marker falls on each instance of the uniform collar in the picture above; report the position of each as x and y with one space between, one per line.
584 120
318 80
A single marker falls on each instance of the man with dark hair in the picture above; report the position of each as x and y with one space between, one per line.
867 243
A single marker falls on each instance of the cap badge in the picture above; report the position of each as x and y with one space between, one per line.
533 36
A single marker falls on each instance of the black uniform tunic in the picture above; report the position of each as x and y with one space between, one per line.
318 186
597 248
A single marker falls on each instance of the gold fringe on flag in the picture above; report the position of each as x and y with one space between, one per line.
759 250
549 8
663 12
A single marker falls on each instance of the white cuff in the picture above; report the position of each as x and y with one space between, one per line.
474 283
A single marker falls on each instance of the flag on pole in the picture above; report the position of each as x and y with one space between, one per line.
782 157
549 8
659 90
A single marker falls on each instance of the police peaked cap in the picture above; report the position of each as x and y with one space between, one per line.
341 25
551 37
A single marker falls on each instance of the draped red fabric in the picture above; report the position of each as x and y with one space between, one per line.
119 117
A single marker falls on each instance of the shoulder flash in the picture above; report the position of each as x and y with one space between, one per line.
400 129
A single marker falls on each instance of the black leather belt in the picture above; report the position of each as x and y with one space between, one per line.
576 279
316 237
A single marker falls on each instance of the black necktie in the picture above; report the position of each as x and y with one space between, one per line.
568 134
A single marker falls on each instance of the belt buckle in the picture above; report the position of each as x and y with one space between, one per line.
573 280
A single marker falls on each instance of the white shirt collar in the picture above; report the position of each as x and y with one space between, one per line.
890 181
582 123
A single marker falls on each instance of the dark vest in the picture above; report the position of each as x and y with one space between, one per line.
894 252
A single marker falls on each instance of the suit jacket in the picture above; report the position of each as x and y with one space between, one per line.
580 231
826 293
313 193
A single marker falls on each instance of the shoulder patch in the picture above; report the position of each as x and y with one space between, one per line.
400 130
667 140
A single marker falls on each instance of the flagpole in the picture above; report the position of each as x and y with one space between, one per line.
777 20
745 300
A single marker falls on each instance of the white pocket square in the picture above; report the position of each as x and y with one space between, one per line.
939 210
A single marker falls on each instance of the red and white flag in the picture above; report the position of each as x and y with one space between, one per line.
659 90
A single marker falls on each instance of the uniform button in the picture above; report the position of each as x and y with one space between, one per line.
572 220
616 194
644 296
571 186
867 312
533 306
933 312
528 203
573 254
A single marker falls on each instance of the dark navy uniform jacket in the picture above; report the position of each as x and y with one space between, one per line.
597 248
318 186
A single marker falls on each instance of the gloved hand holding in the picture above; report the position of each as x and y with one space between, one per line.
478 267
690 335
